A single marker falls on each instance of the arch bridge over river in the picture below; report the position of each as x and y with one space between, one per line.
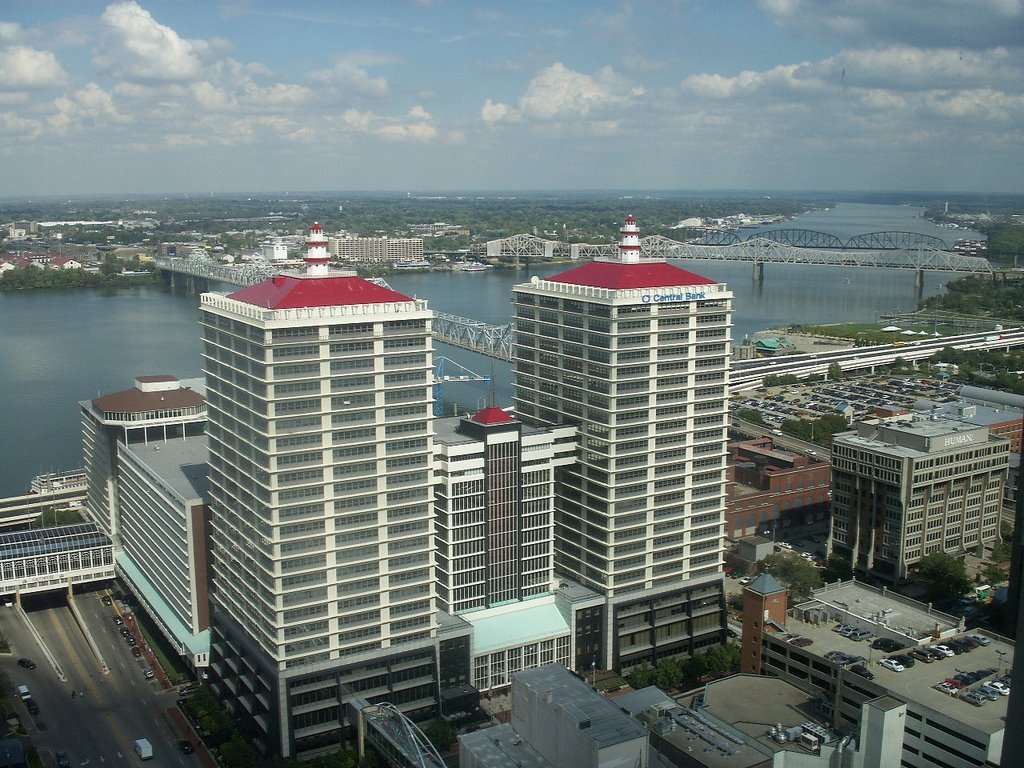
879 250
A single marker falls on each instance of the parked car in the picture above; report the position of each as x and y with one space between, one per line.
860 634
895 666
956 682
26 664
186 746
136 651
988 693
32 707
944 650
63 761
905 659
946 688
972 698
922 655
980 639
998 687
860 669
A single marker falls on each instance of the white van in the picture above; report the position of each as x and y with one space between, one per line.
143 749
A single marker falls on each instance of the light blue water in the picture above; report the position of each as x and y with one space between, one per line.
57 348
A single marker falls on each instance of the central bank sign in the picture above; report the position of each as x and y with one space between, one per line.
660 298
949 442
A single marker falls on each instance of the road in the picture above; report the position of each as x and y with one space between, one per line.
118 706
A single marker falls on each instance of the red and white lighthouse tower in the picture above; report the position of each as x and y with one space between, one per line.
629 245
317 257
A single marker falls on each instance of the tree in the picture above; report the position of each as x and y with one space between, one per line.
945 575
837 568
750 415
441 733
795 573
993 573
835 371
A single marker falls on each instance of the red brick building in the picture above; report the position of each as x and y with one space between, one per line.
769 487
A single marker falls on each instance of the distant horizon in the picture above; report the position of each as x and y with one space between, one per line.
297 195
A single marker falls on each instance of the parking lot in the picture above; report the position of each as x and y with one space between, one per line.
864 394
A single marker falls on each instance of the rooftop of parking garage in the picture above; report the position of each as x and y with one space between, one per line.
853 603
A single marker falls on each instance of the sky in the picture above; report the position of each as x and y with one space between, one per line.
172 96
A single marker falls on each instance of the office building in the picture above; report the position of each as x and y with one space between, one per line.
905 487
163 558
635 354
377 250
156 410
494 502
321 495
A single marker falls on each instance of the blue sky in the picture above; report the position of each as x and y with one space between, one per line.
172 96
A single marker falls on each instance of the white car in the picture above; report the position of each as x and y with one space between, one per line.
947 652
892 664
995 685
745 580
979 639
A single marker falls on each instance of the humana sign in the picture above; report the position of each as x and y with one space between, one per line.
957 440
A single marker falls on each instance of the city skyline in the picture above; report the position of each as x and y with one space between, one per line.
150 97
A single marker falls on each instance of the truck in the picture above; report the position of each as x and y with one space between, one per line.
143 749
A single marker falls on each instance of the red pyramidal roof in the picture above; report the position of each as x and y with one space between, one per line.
492 415
294 292
617 274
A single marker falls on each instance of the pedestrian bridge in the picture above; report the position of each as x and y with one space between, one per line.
393 735
47 559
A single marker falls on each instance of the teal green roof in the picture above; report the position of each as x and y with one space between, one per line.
523 623
194 643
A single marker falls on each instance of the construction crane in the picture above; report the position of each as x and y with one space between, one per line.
441 376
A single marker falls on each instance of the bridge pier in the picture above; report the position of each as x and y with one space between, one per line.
918 279
758 271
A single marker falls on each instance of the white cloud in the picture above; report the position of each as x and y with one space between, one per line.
22 67
559 93
88 107
493 112
9 31
352 80
136 47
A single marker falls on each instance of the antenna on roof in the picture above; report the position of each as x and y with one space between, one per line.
493 393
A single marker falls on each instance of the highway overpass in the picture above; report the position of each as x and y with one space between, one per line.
750 374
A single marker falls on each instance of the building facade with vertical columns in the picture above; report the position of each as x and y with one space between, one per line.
634 353
321 485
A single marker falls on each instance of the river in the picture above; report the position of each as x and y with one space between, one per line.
60 347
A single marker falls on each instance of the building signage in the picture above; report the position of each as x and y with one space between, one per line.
666 297
957 440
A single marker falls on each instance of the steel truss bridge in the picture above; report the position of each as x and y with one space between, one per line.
394 736
885 250
198 269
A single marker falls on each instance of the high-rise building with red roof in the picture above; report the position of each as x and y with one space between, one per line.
635 353
321 483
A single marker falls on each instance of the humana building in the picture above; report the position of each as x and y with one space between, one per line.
634 353
319 403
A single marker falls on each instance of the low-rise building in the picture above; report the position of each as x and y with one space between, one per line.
842 673
771 488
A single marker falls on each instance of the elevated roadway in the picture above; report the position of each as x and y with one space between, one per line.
750 374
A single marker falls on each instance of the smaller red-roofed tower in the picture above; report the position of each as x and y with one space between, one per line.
629 245
317 257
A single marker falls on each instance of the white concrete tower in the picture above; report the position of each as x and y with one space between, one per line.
317 257
629 245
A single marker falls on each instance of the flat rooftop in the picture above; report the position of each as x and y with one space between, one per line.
913 685
742 708
872 608
181 464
